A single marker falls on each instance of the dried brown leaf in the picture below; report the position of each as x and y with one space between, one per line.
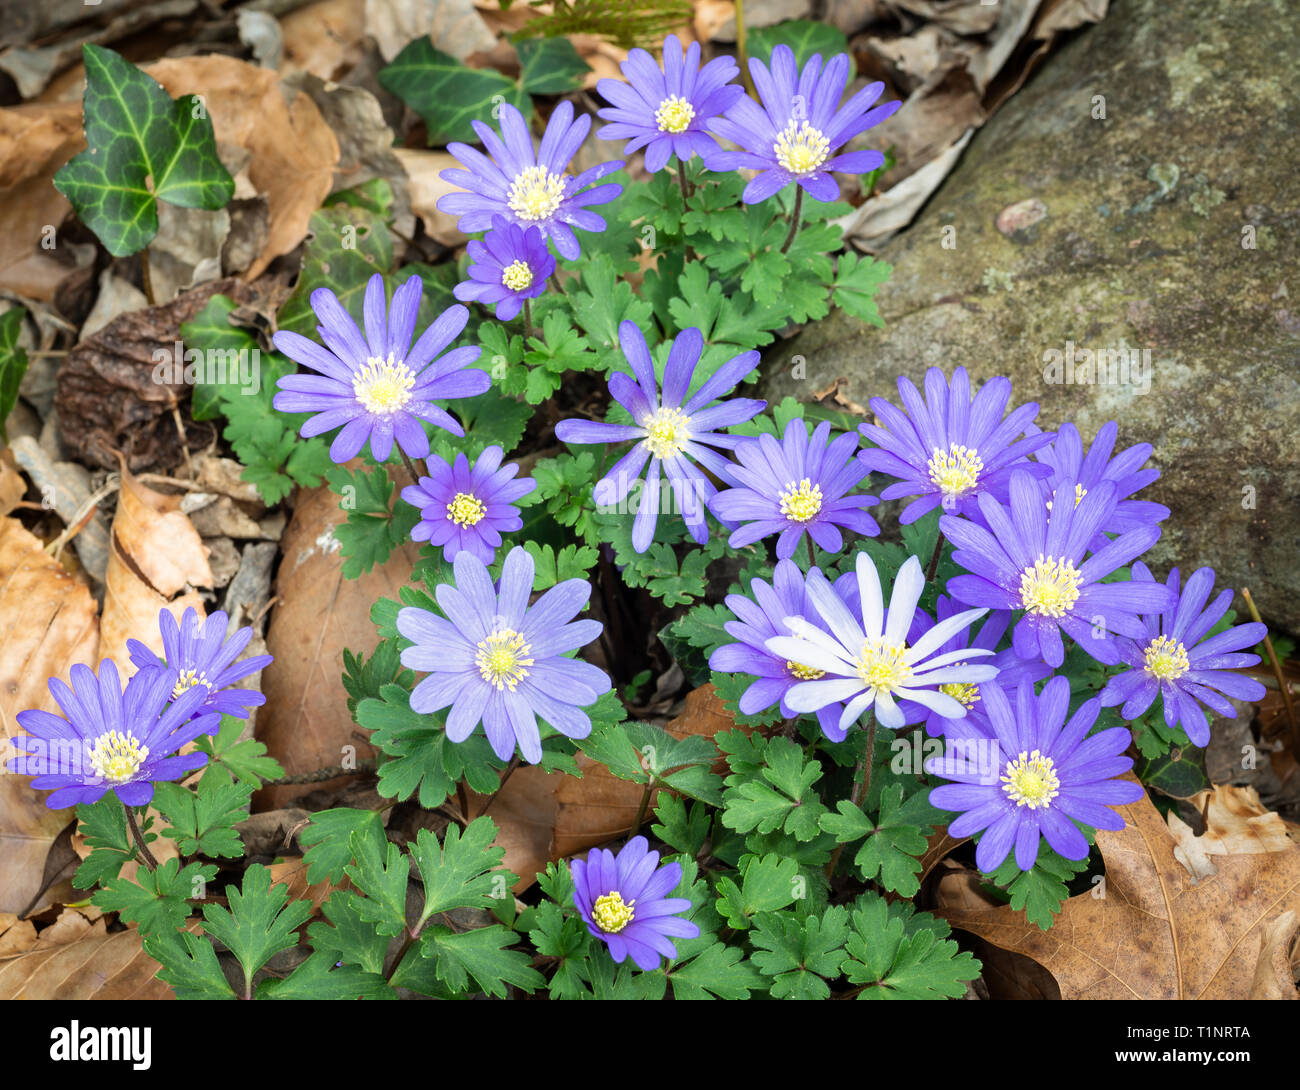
96 966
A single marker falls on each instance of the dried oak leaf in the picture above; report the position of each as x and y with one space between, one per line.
107 396
1158 933
1236 823
49 623
97 966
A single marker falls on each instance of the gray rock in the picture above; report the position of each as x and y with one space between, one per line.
1168 226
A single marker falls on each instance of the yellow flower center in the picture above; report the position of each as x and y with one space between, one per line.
610 914
801 149
668 432
957 471
383 386
517 276
674 114
503 658
1031 780
1079 493
1050 588
804 673
187 681
117 757
800 502
1166 658
881 666
965 694
465 510
536 193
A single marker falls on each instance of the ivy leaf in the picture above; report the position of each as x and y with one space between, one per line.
231 759
893 954
447 94
13 363
160 899
346 246
327 841
804 36
481 954
799 954
260 922
550 66
857 279
142 147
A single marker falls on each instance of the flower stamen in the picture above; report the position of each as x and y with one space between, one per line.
383 386
503 658
800 148
466 509
1050 588
881 666
957 471
1031 780
517 276
536 193
1166 658
668 432
801 502
675 114
804 673
117 757
611 914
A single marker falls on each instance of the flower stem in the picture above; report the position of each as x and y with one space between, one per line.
640 810
410 467
934 559
861 783
145 853
510 771
742 50
686 187
1282 686
555 283
794 219
529 331
146 278
462 796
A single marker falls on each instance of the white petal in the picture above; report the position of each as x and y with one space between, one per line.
942 632
810 696
834 612
963 654
807 654
853 711
935 701
908 585
873 603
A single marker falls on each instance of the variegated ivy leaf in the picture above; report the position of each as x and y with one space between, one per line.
143 147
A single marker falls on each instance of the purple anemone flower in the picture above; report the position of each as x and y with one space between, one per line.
872 658
530 189
496 660
110 740
623 901
1065 456
1011 669
1021 773
666 111
510 265
670 431
794 136
205 659
1031 558
757 621
1173 659
798 485
378 386
949 449
464 508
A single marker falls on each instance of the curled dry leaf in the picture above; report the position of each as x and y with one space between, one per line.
293 150
49 621
156 558
305 723
1236 823
1274 975
96 966
323 38
1156 932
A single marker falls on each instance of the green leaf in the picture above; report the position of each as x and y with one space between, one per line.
103 824
549 66
480 954
327 841
203 820
857 279
142 147
462 871
260 922
767 884
804 36
376 526
550 567
380 872
895 842
625 982
364 678
799 954
606 302
349 939
189 964
784 801
1040 891
345 248
1180 774
719 971
244 761
893 954
447 94
490 419
681 828
317 978
13 363
160 899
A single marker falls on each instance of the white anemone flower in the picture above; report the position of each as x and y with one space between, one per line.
869 663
